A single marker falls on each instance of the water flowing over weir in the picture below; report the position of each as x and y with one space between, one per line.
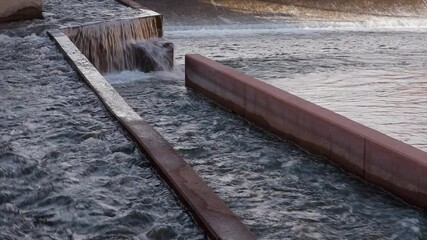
109 46
153 55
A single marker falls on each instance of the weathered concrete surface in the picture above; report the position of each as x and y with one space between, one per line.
210 212
14 10
385 161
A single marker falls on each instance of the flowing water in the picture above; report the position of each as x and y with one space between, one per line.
366 60
67 170
109 46
378 78
371 69
277 189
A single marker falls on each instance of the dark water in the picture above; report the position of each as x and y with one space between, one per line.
369 67
372 71
276 188
376 76
67 170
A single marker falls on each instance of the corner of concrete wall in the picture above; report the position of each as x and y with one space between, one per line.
133 4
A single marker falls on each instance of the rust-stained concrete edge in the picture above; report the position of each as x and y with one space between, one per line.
396 166
210 212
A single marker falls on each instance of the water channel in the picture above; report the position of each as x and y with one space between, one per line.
68 170
372 71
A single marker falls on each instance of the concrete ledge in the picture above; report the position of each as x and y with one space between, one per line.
20 10
385 161
210 212
99 41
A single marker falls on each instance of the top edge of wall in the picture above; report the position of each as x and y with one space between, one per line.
308 106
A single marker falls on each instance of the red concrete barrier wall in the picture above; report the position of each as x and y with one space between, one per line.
393 165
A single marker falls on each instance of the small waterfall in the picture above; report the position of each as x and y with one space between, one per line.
154 55
109 45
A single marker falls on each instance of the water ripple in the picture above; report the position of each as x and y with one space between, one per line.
67 170
279 190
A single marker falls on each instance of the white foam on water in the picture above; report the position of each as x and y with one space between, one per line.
372 23
158 53
4 38
137 76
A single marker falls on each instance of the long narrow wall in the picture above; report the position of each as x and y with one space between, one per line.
385 161
210 212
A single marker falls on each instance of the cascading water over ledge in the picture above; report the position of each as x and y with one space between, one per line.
153 55
109 46
134 44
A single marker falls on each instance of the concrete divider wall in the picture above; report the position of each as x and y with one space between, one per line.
209 211
385 161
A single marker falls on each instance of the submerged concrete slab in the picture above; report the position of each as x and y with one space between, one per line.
14 10
374 156
210 212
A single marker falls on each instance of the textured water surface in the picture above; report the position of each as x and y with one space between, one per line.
67 170
69 13
366 13
376 77
277 189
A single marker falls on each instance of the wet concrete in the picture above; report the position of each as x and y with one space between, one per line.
373 156
212 214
